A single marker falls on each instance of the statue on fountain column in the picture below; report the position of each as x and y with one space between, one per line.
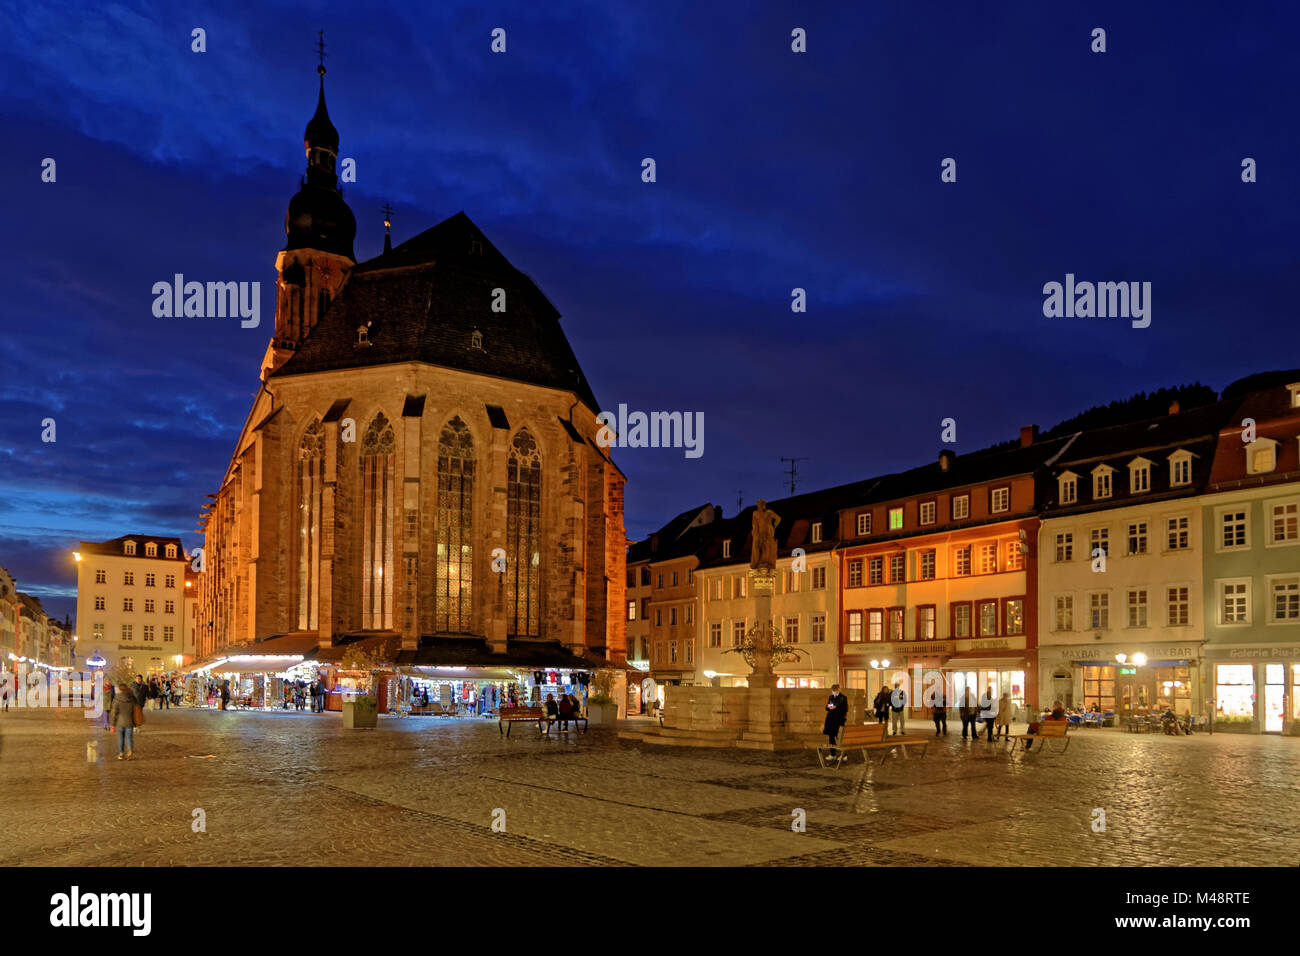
762 553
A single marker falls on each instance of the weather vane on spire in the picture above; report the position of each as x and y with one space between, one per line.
388 216
320 49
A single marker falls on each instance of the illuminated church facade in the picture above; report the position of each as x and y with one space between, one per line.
420 461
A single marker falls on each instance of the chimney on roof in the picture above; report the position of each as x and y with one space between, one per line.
1028 435
1173 407
946 458
654 543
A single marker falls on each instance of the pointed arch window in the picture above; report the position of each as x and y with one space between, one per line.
454 570
523 536
377 463
311 465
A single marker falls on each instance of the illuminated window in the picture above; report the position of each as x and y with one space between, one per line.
523 536
378 519
988 618
1137 608
454 536
1015 616
925 621
875 625
895 519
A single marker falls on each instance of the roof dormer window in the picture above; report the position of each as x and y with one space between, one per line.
129 548
1180 468
1294 389
363 334
171 551
476 340
1101 481
1139 476
1261 456
150 550
1067 486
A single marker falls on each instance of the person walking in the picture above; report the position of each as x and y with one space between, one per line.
122 720
939 713
837 715
139 691
110 692
898 710
881 705
968 711
1002 724
989 712
225 693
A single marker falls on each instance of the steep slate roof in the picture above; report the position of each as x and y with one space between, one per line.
425 298
114 546
674 540
1196 431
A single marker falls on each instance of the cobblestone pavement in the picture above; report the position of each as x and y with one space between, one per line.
294 789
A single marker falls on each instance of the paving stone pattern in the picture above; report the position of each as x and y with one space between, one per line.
296 788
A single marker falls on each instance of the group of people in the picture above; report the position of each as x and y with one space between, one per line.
300 694
890 706
563 710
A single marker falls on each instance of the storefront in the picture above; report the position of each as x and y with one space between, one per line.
456 691
1126 680
1255 689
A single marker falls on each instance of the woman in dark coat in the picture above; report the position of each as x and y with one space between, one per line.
837 714
122 720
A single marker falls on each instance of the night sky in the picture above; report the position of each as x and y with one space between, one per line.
775 170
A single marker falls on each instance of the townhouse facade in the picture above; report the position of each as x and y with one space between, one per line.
1251 584
1133 567
131 606
938 575
1122 616
804 611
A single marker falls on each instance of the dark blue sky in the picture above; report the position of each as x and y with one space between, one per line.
775 170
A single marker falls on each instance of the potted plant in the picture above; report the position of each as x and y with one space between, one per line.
601 706
361 712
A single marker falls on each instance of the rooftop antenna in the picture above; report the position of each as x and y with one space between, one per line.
790 481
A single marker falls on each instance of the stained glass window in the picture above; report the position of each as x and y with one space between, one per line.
454 576
523 536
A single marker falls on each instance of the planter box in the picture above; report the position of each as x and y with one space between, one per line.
604 714
359 718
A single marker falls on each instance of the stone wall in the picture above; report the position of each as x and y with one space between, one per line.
798 710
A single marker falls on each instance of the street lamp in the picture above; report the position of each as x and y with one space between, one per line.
76 555
1140 660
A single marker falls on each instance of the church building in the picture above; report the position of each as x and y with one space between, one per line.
420 461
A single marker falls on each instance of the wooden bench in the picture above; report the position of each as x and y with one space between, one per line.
865 737
571 719
1047 730
509 715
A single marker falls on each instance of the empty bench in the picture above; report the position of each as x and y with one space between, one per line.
864 737
1047 730
508 716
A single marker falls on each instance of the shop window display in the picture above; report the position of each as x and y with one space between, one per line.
1235 691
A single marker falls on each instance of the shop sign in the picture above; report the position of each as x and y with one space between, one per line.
1258 653
994 644
1155 653
926 647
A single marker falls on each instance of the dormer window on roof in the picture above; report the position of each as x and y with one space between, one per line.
476 340
1294 389
1067 487
1101 481
363 334
1180 468
128 548
1261 456
150 549
1139 476
171 551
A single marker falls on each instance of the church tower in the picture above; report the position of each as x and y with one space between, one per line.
319 229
